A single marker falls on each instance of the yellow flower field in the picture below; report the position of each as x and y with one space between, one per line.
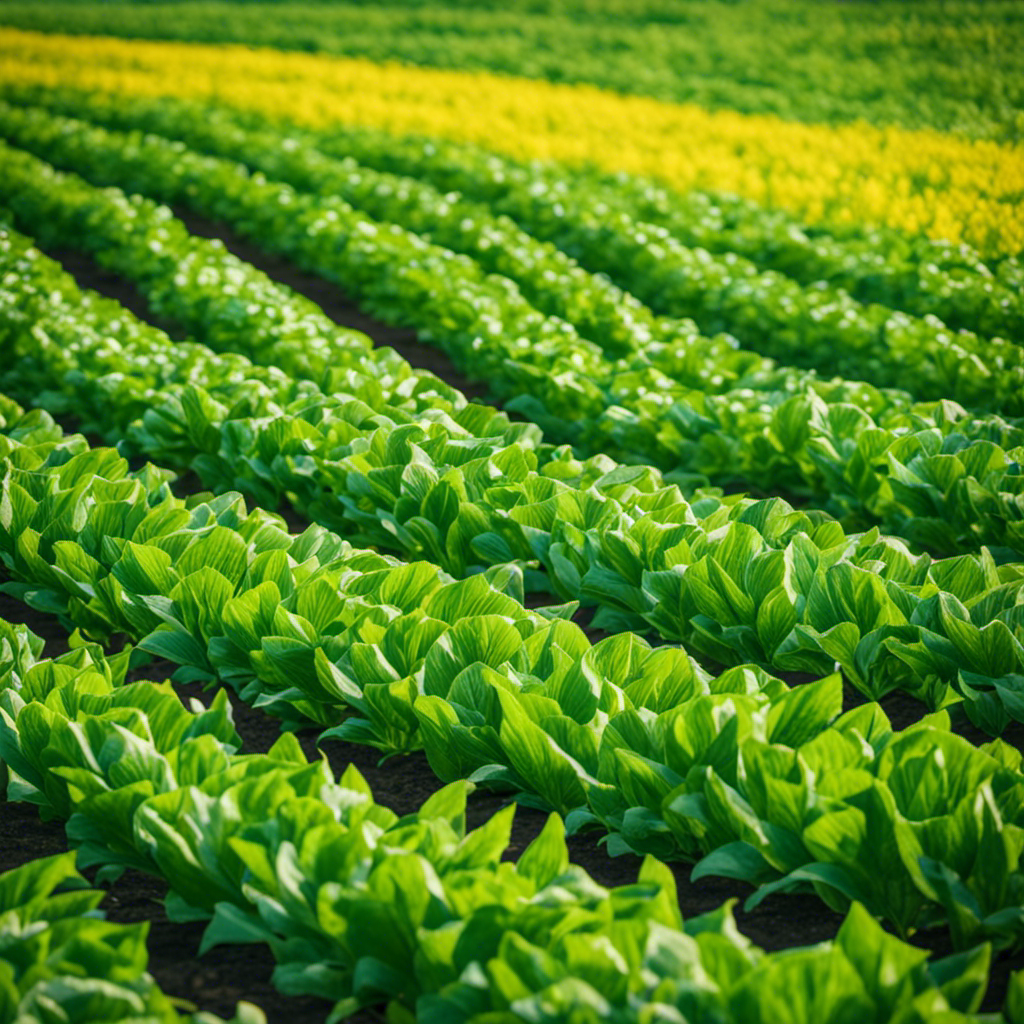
920 181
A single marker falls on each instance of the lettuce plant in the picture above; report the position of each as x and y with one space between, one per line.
60 961
642 742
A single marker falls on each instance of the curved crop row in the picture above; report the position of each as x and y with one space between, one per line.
462 196
875 265
548 279
363 908
642 741
816 172
818 327
737 580
934 475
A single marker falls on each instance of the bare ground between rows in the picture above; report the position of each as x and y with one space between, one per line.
338 306
334 303
224 975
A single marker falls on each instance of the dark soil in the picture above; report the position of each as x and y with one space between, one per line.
338 306
217 980
90 274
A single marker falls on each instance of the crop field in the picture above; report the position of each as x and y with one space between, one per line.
512 512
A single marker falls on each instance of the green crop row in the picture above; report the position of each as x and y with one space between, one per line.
365 908
875 265
767 784
61 962
548 279
816 327
932 474
543 198
737 579
951 66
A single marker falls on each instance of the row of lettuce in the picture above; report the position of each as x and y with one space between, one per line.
932 473
874 265
878 265
695 266
386 459
631 234
362 907
757 781
954 66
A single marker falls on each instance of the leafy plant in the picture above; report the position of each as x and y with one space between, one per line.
62 961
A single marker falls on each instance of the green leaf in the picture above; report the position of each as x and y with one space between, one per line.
735 860
804 987
176 645
803 713
885 965
547 857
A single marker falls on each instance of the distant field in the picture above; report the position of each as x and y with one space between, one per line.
849 176
955 66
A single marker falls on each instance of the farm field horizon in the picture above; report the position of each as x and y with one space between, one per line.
512 513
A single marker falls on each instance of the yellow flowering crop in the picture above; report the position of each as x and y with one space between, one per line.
920 181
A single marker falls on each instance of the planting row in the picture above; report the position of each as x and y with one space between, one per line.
365 908
737 579
933 474
922 183
817 327
771 785
548 279
874 264
61 960
584 213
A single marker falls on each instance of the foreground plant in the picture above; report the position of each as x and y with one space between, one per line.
60 961
362 907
